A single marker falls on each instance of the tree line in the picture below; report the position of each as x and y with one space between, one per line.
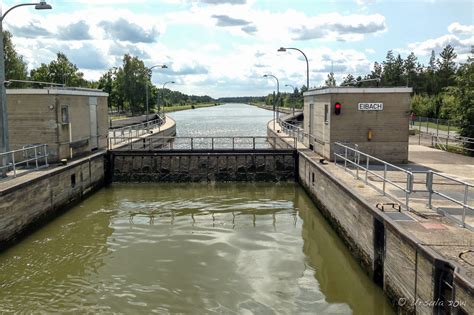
125 84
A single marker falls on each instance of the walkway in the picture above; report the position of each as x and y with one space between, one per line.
431 229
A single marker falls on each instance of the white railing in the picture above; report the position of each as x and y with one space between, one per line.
205 143
446 142
136 130
27 158
352 156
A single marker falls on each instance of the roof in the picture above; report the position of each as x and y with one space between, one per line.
354 90
57 91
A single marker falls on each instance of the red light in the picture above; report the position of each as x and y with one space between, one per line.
337 108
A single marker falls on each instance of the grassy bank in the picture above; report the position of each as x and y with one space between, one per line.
175 108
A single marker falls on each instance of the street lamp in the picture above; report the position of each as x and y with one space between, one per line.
163 91
42 5
283 49
146 89
278 94
293 90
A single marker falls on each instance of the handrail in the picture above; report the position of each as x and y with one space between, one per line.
154 142
15 158
357 154
137 130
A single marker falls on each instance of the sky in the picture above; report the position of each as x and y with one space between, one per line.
224 47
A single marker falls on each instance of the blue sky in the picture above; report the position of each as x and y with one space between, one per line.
224 47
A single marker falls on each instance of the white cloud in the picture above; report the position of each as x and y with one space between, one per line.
457 28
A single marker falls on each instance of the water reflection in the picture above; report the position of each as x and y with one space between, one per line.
188 248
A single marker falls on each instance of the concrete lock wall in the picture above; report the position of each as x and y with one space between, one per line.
37 116
388 126
202 166
53 191
405 268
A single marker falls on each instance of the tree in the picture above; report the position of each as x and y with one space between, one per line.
447 66
348 79
464 93
133 81
330 81
410 70
60 71
15 66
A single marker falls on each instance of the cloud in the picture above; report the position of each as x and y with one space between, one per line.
118 49
29 31
336 26
461 46
224 1
249 29
193 69
457 28
225 20
123 30
75 31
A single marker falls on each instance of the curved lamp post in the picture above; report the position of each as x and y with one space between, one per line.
291 86
283 49
42 5
278 93
163 91
146 88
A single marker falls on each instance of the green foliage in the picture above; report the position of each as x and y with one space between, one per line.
15 67
60 71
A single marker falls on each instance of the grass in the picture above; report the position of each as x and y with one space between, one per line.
433 126
175 108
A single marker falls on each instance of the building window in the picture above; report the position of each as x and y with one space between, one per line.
326 114
64 114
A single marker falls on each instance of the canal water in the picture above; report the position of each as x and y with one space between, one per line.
222 248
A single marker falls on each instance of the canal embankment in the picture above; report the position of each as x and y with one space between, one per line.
415 258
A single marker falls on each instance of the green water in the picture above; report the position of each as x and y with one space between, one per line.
188 248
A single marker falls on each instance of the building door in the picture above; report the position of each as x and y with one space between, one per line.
311 126
93 123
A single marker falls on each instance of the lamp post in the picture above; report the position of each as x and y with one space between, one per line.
163 91
283 49
293 88
146 88
278 94
42 5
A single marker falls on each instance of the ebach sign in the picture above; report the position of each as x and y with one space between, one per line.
370 106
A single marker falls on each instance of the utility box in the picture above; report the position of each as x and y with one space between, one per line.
374 119
71 121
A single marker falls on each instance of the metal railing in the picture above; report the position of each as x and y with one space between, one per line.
205 143
448 142
120 134
430 182
28 158
298 133
352 157
359 164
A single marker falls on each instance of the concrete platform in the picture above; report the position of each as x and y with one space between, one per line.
429 227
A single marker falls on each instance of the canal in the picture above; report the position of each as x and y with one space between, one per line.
227 248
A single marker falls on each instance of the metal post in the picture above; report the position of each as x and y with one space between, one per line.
358 165
192 143
429 187
36 158
419 132
366 169
437 126
253 140
146 93
14 167
384 178
212 145
408 190
45 155
3 105
233 144
447 139
465 205
345 158
427 121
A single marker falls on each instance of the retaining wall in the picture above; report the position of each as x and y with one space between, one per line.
27 201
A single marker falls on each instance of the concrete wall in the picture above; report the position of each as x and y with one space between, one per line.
389 126
409 269
135 166
35 117
52 190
